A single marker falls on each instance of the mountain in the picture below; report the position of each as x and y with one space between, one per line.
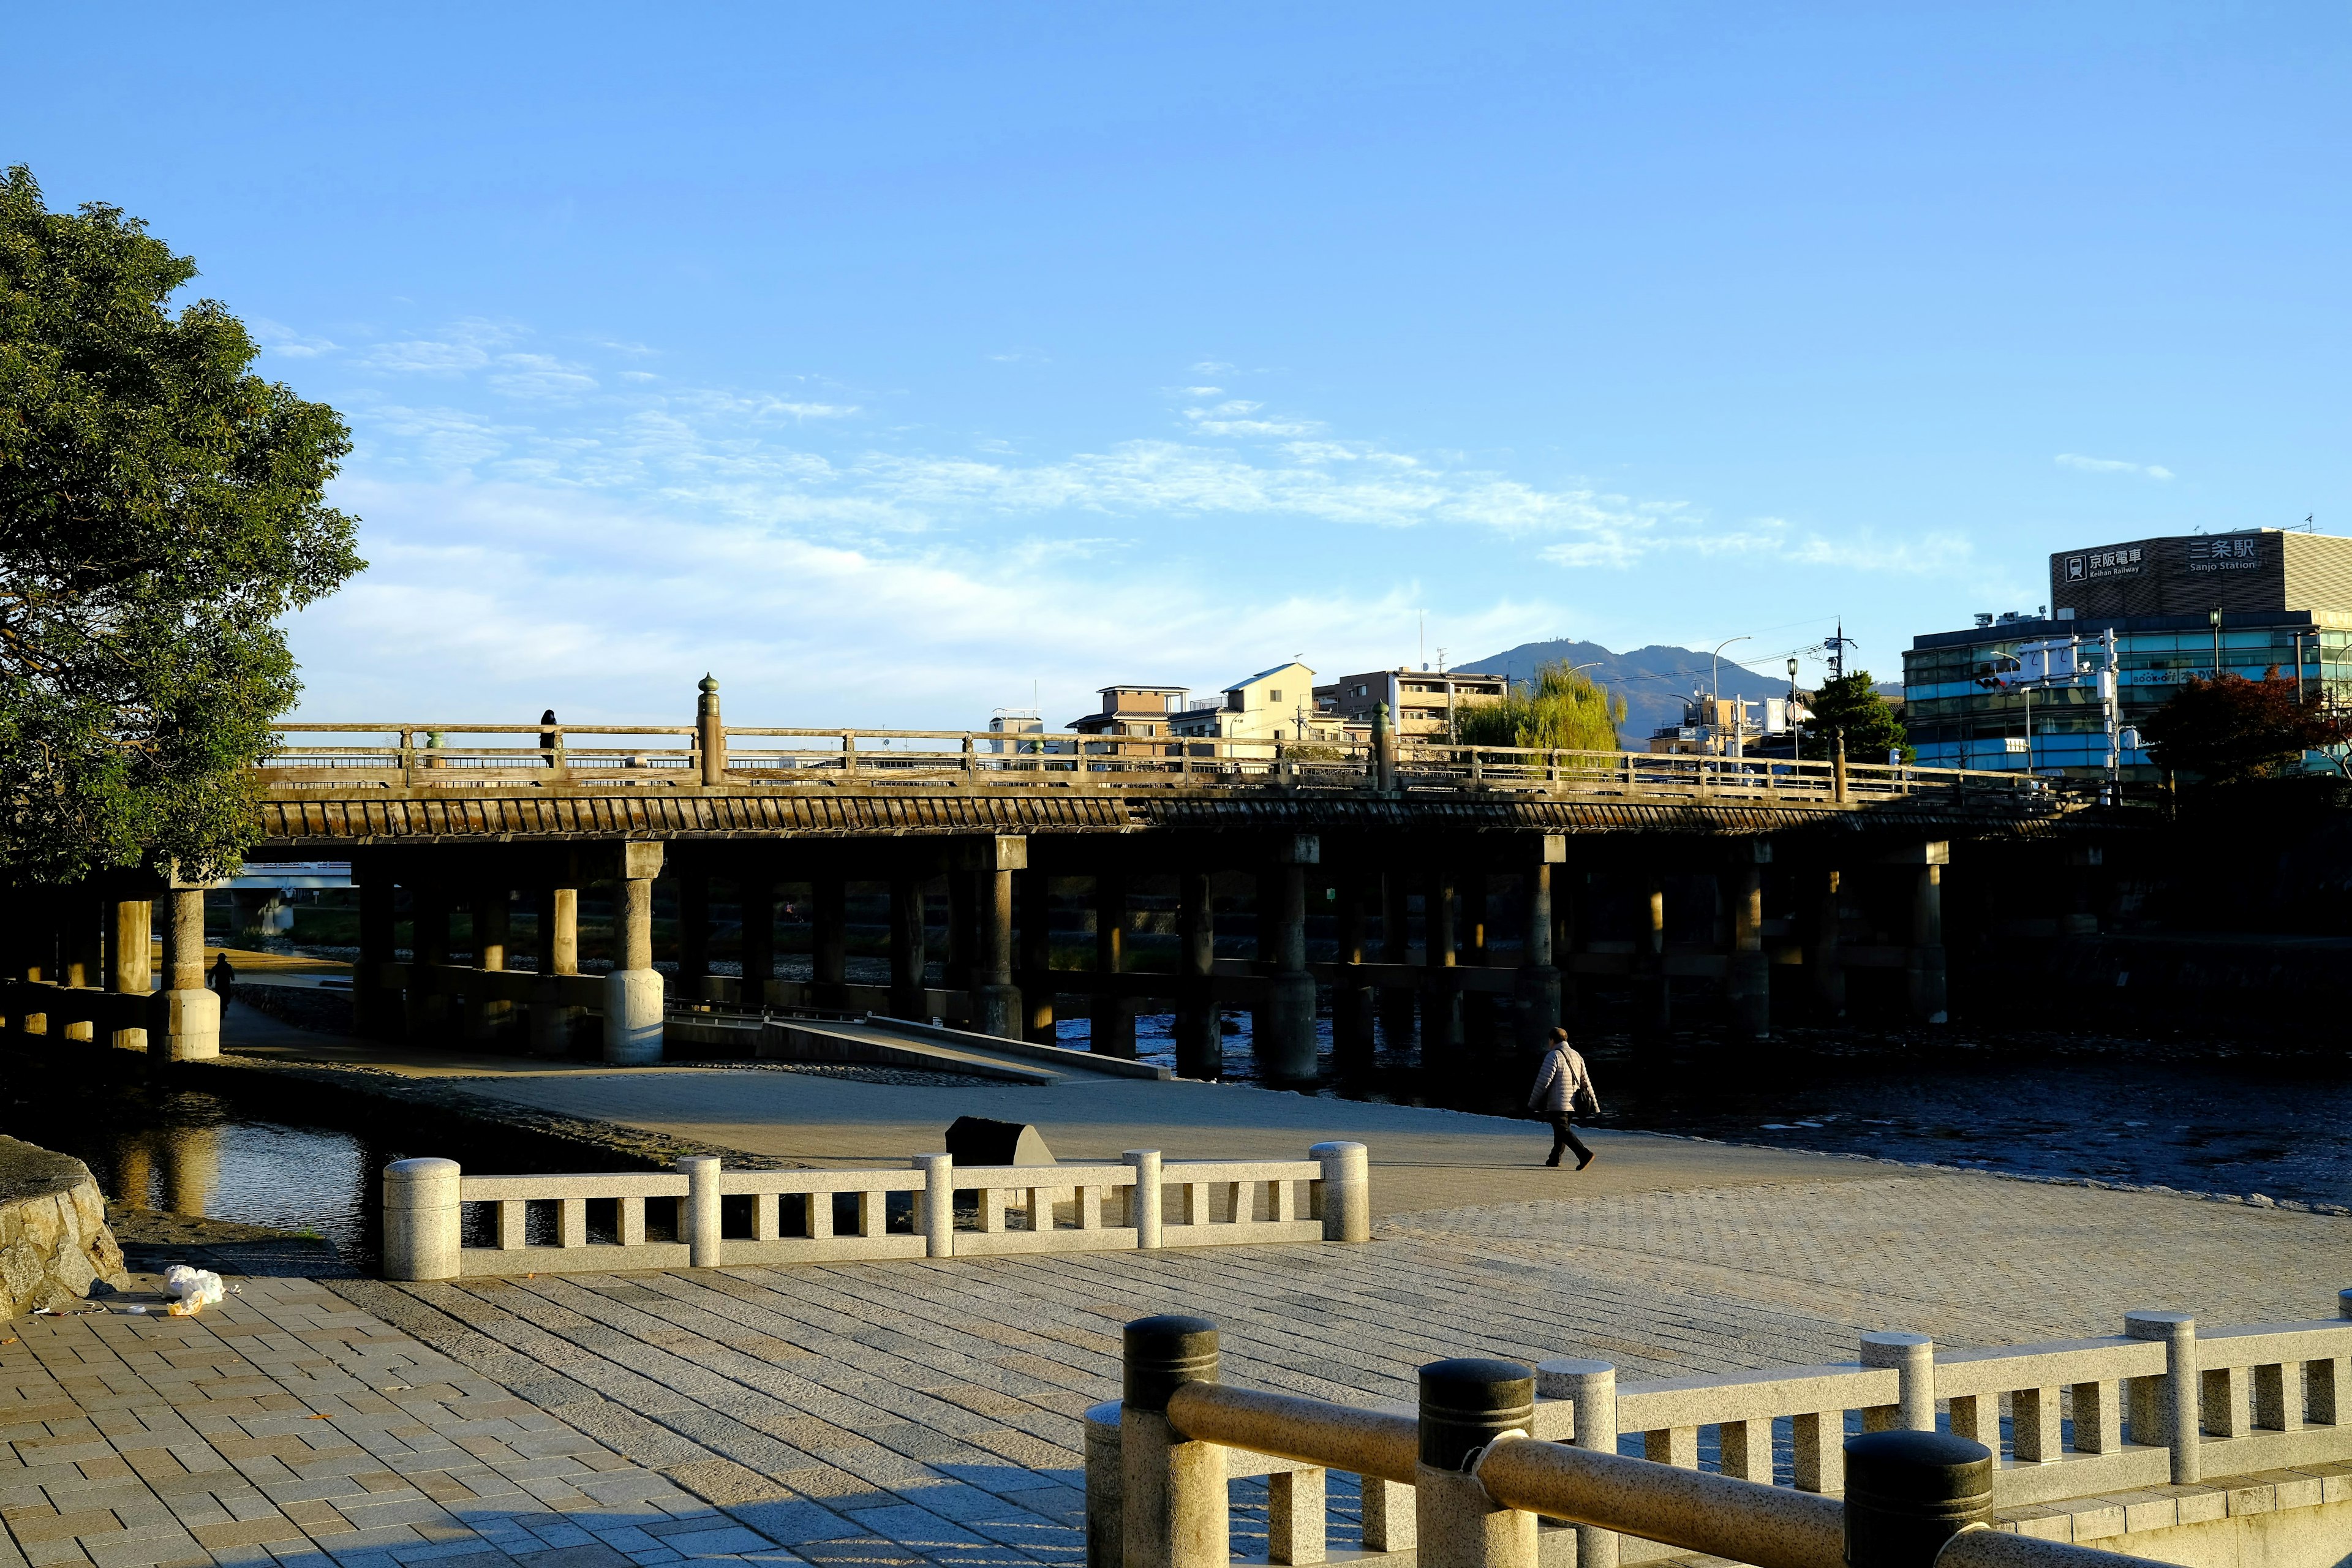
1655 680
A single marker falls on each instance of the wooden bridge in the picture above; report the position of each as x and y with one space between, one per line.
1611 869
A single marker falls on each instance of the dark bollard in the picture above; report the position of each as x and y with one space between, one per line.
1467 1403
1172 1492
1909 1493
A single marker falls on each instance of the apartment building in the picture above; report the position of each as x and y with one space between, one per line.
1422 703
1276 704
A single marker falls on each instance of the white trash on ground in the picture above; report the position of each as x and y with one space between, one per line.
194 1289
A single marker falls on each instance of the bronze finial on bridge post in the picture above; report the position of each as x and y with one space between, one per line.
1384 750
710 734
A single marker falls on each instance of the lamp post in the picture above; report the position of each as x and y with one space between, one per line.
1716 681
2213 618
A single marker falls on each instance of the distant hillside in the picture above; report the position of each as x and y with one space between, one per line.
1655 681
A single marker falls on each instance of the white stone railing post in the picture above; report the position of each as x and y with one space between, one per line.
697 1213
1591 1387
2176 1403
1912 1358
938 1204
1144 1202
1172 1504
1347 1191
1467 1403
423 1225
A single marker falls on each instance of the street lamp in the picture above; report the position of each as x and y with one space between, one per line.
2213 618
1716 681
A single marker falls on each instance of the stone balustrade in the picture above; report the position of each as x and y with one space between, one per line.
931 1208
2146 1419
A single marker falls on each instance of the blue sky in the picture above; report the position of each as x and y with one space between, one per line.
885 361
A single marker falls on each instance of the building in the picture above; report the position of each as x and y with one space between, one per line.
1276 704
1422 704
1144 712
1723 726
2179 606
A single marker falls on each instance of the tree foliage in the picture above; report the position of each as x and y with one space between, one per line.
161 507
2229 729
1562 710
1853 707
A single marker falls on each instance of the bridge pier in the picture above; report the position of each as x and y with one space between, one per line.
1653 991
1537 984
1037 974
1200 1043
552 1021
693 882
633 991
186 1022
1397 1003
130 959
488 1017
1286 1050
1353 1004
375 1006
428 1013
81 954
1828 966
829 936
1924 969
1441 996
1110 1026
908 931
1747 974
995 1000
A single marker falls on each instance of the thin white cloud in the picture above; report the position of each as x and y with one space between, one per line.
2110 466
277 338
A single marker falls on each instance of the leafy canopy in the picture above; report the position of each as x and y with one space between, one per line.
160 508
1564 711
1851 707
2229 730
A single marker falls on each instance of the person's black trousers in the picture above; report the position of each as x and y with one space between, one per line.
1563 1136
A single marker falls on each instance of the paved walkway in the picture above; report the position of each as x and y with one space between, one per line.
909 1413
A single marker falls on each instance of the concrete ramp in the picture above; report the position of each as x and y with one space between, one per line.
895 1042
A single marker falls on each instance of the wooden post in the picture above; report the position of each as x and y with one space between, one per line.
1397 1001
1351 999
909 920
1036 891
487 1017
553 1021
1111 1023
1441 996
709 735
1538 982
996 1001
130 938
1286 1050
1199 1047
1747 973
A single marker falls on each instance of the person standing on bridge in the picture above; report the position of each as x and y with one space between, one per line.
1564 1089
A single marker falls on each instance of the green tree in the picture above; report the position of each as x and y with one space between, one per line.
1562 710
161 507
2229 730
1851 707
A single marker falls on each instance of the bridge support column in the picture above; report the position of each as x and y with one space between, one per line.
907 957
1825 960
184 1020
829 937
1654 993
1538 982
82 952
553 1020
1286 1051
1037 958
995 1000
374 1008
1923 964
1352 1002
1747 974
755 895
1568 892
428 1003
1397 1003
36 956
633 993
129 966
1480 1020
1199 1047
1440 997
1110 1025
487 1017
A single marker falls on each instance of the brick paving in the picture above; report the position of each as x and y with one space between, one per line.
905 1413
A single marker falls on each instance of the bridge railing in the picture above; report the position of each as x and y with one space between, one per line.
442 1223
474 756
1179 1434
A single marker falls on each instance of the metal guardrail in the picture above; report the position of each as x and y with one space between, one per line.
457 756
1480 1479
932 1207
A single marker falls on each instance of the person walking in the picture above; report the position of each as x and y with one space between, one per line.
223 978
1564 1089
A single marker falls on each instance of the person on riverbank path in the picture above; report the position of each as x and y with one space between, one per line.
224 978
1564 1089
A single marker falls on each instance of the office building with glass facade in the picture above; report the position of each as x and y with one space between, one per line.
2179 606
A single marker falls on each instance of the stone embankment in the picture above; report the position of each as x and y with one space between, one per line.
54 1242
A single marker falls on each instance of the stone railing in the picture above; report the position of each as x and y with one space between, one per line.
2149 1415
442 1224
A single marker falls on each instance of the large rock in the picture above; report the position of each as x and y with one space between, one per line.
54 1243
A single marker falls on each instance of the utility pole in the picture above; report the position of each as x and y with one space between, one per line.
1837 645
1796 735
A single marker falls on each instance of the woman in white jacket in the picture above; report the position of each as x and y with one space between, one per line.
1564 1089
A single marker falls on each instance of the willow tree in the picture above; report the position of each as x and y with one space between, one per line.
161 507
1561 709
